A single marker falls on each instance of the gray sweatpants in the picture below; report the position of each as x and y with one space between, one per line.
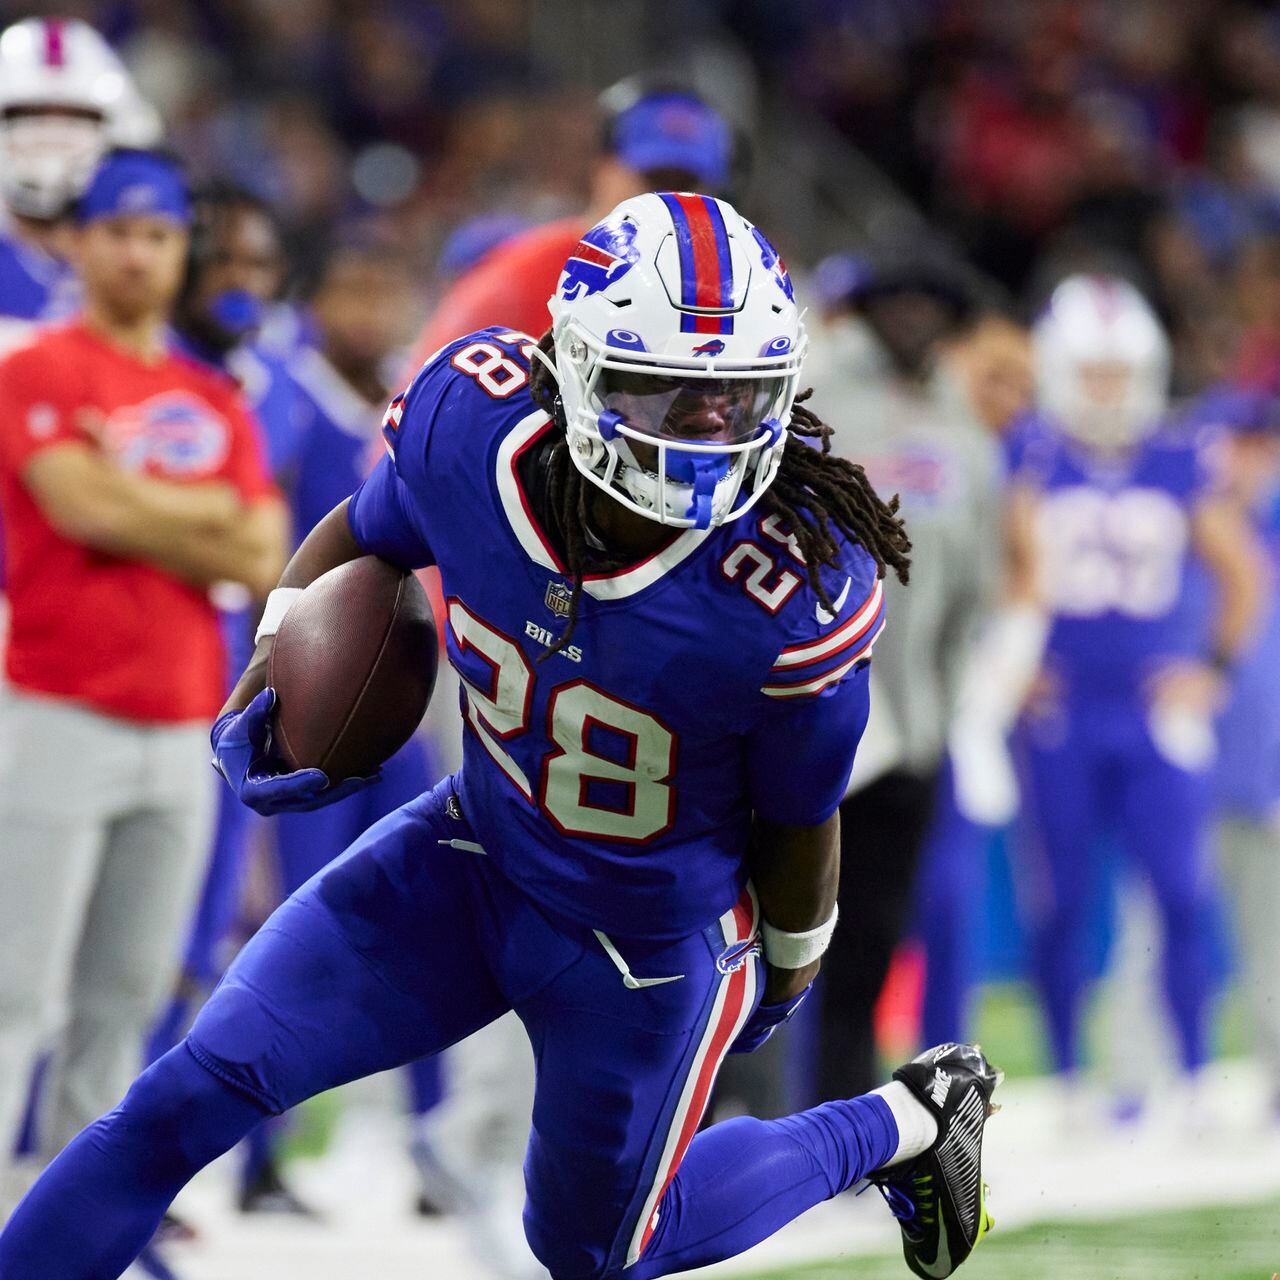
1250 853
104 833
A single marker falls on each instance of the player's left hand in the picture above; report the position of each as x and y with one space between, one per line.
1188 685
242 754
765 1020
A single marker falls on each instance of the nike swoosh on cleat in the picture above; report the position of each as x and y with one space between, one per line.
941 1264
824 615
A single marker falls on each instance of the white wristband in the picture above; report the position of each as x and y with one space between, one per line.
278 604
797 950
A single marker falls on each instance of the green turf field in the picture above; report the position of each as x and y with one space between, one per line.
1203 1244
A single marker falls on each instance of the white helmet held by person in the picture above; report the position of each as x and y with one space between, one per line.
65 98
678 352
1102 362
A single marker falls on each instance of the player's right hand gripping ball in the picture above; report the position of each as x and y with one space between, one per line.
242 753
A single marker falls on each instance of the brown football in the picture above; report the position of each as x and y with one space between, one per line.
353 667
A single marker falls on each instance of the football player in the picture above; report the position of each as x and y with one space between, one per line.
662 595
1119 517
64 99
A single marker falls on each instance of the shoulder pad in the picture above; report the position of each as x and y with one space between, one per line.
480 374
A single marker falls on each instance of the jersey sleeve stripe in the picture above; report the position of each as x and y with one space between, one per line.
841 638
824 681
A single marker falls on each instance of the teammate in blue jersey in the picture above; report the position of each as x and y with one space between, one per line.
1123 520
641 550
235 271
360 304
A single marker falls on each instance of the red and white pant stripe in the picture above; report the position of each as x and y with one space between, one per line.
734 1000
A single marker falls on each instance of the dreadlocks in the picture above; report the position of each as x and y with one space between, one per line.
813 491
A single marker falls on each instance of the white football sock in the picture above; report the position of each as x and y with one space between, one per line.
917 1126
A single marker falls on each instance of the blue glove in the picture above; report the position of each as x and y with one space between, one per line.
764 1021
242 754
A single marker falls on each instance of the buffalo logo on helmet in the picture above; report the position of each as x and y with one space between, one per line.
602 257
774 264
175 434
713 348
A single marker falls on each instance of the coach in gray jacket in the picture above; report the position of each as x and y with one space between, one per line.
906 420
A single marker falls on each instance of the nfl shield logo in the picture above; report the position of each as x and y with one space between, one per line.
557 598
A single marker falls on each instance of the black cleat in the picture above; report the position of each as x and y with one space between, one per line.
939 1197
267 1192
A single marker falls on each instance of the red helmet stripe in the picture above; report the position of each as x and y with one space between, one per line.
55 53
706 260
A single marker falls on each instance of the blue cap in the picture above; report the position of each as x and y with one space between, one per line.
839 277
142 183
674 131
474 239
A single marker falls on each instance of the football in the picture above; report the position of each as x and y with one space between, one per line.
353 667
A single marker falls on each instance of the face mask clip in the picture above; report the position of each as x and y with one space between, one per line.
608 423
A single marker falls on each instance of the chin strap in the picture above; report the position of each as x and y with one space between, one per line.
707 473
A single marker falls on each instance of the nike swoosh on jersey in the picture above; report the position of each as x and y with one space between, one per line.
825 616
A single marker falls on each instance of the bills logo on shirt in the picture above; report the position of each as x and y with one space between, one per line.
173 434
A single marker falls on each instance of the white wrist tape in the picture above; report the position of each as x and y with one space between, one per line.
278 604
797 950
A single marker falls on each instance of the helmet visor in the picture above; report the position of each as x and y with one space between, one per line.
693 411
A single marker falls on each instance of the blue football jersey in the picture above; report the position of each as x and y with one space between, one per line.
615 779
277 404
1118 567
337 440
34 287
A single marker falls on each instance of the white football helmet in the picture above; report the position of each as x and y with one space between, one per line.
65 97
1102 361
678 350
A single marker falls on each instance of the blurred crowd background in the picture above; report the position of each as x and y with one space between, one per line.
1027 135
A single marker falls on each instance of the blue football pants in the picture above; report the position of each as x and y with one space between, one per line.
408 943
1086 774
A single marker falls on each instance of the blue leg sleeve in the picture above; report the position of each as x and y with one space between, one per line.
744 1179
1164 813
1063 808
99 1202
